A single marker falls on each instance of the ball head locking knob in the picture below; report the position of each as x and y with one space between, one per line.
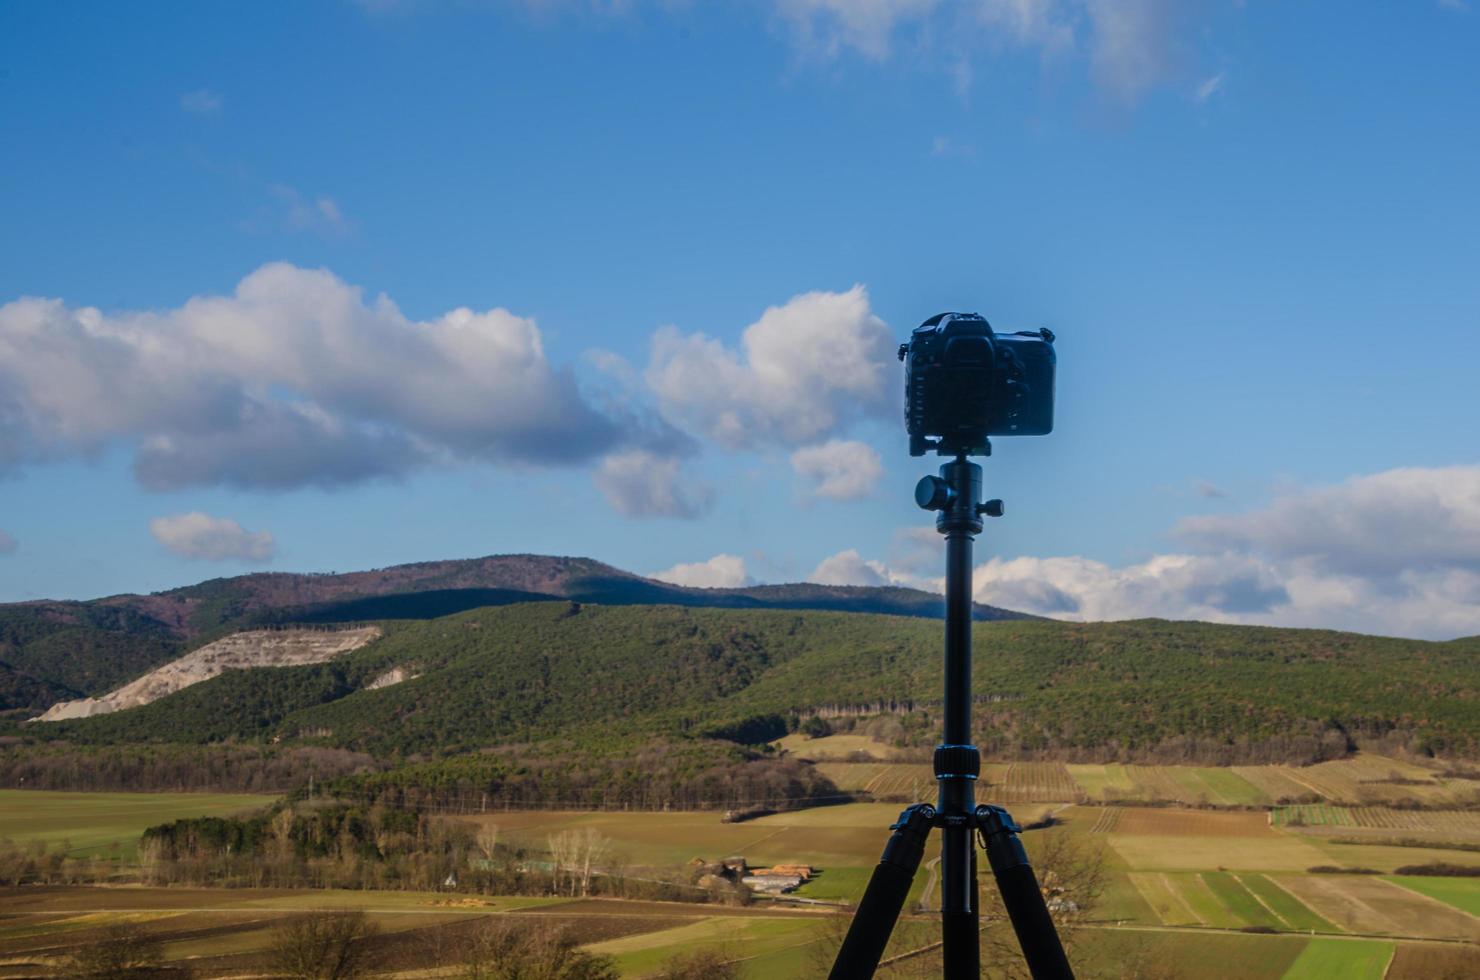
992 508
933 493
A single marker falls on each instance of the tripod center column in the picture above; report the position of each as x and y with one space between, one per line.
960 522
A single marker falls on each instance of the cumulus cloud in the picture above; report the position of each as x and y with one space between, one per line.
1212 587
804 370
839 469
641 483
294 379
1203 488
202 102
1371 525
200 536
849 568
719 572
1395 553
8 544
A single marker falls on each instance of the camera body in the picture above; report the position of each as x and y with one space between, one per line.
964 382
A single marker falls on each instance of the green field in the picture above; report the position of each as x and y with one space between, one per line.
1349 959
1289 908
1230 891
91 823
1462 893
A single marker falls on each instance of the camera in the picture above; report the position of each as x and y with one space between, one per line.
964 382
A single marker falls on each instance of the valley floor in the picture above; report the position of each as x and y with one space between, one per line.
1189 891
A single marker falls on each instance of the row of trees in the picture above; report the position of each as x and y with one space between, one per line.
327 844
163 768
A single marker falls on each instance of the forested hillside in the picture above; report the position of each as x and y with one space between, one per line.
1140 691
53 651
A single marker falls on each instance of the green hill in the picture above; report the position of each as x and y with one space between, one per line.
621 675
62 650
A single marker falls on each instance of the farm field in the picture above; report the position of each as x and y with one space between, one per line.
1325 958
1366 782
1182 884
1462 893
91 823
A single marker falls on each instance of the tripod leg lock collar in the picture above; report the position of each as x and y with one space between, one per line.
957 761
907 844
999 834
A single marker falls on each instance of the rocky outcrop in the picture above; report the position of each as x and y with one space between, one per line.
391 677
240 651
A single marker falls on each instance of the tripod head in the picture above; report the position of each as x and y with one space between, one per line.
954 495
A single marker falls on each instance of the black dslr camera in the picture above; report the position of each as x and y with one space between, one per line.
963 383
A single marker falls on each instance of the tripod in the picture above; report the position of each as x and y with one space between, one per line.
955 495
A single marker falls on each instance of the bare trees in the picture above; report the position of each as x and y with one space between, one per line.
576 855
1071 873
323 946
505 951
124 950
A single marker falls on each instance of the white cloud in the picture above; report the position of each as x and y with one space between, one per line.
1046 23
1218 588
200 536
1131 44
295 212
805 370
1209 87
1371 525
719 572
838 469
641 483
849 568
1236 588
202 102
8 544
294 379
866 26
1395 553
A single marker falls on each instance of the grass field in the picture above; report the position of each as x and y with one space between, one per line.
1182 881
1295 913
1238 899
91 823
1462 893
1325 959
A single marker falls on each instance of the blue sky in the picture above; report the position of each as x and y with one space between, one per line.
1254 227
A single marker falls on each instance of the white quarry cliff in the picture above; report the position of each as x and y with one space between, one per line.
240 651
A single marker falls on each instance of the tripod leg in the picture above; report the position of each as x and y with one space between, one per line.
879 910
960 927
1020 893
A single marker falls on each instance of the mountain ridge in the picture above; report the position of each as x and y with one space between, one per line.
59 649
